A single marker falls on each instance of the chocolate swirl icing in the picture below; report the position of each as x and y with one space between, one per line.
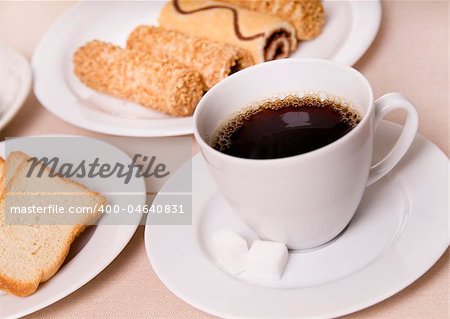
237 31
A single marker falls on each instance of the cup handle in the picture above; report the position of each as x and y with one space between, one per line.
384 105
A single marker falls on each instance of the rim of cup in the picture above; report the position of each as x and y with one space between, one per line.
314 153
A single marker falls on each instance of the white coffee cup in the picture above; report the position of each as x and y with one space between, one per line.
304 200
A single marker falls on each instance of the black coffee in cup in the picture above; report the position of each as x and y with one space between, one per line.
285 127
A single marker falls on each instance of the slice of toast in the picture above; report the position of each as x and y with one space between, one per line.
32 252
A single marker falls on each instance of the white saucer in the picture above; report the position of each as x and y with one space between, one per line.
15 83
350 28
400 230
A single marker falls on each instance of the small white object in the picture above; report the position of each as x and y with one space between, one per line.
266 259
15 83
2 293
231 250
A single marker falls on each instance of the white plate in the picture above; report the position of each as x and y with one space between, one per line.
15 83
398 233
350 29
94 249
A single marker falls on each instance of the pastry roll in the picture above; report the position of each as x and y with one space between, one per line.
266 37
307 16
160 84
214 60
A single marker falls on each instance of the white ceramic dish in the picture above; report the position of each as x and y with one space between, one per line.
350 29
93 251
398 233
15 83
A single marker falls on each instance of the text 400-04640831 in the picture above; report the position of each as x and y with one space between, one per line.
146 209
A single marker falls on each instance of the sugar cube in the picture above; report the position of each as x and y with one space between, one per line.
230 250
266 259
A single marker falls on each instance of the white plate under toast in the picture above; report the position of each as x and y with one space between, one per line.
350 28
96 247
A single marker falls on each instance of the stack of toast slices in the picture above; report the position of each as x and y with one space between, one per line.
33 247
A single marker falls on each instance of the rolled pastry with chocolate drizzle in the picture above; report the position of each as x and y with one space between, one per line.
214 60
266 37
160 84
307 16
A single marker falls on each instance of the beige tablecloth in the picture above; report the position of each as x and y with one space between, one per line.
409 55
